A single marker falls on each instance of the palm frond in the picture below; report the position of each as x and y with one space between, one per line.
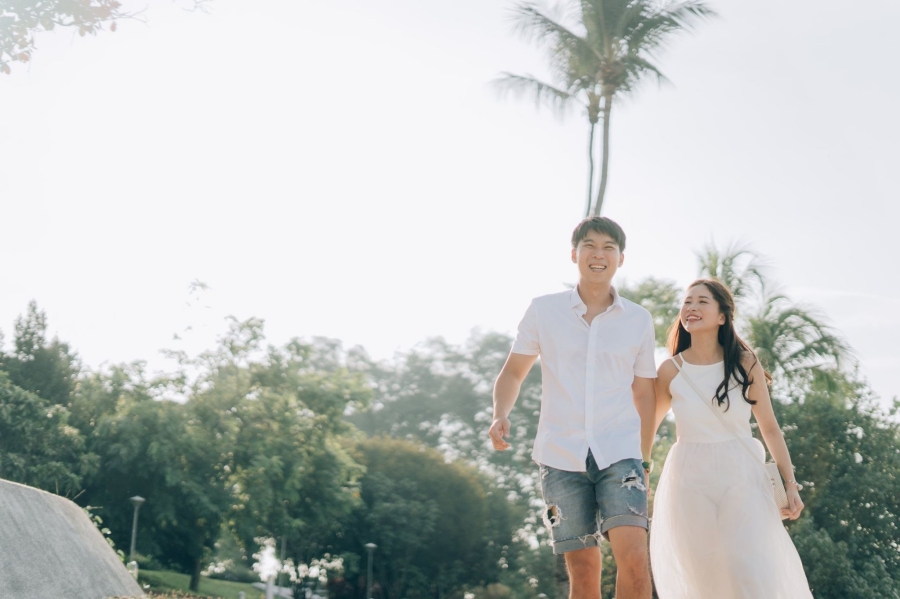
646 28
688 13
536 26
636 67
600 18
738 266
794 340
543 93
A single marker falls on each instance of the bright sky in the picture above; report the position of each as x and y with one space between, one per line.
343 168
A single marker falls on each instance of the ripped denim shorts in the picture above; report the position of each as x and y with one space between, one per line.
581 506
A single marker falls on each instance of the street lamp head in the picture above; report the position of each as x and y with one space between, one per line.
371 546
137 500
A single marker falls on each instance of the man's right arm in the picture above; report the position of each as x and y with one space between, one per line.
506 391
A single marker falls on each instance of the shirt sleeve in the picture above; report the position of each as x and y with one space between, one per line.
645 362
527 336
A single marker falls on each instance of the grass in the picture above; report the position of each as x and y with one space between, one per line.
172 584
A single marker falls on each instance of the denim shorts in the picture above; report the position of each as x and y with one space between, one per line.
581 506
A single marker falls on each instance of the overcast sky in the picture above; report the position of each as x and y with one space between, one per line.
343 168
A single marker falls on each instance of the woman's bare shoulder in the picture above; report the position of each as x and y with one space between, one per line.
749 360
667 370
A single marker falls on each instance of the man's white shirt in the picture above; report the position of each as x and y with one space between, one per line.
587 371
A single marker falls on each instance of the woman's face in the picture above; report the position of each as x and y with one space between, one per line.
700 311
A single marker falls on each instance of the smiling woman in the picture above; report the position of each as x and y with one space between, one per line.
716 527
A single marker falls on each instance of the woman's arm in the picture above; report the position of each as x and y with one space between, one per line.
772 435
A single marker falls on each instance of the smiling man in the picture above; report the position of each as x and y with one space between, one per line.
597 413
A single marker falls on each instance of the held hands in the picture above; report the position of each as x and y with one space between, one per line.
795 504
498 433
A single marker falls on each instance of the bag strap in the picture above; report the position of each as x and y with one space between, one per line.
709 405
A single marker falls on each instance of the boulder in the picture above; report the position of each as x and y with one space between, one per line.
52 550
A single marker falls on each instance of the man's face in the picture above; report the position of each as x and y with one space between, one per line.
598 257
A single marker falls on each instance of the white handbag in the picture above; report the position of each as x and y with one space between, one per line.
770 468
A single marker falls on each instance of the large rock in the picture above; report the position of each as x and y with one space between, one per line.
52 550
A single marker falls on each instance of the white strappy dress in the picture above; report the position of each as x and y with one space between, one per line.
716 532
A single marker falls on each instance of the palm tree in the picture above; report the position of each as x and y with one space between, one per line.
599 54
792 341
741 269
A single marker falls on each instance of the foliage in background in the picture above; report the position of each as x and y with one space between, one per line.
439 526
847 456
292 443
659 297
47 368
38 447
20 20
440 395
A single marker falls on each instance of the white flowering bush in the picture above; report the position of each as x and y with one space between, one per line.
267 564
318 570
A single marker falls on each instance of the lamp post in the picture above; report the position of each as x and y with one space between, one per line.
370 547
137 500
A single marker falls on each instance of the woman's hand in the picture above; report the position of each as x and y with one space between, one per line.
795 504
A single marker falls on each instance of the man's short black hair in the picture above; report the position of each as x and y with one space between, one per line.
600 224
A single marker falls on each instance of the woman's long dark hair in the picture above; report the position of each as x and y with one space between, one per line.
732 345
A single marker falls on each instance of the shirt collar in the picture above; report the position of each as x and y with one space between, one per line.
577 303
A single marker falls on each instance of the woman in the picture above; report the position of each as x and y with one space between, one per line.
717 532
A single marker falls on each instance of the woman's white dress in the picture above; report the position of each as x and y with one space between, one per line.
716 532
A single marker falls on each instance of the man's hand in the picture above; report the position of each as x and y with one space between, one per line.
499 431
506 390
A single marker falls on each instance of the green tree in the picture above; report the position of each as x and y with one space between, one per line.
659 297
290 474
440 395
252 446
38 446
277 415
847 455
439 526
161 451
47 368
599 54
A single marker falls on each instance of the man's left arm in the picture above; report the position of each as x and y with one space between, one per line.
643 389
644 392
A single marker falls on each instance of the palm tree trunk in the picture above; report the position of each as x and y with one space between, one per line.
604 163
590 194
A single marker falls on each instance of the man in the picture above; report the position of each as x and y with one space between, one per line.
597 413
